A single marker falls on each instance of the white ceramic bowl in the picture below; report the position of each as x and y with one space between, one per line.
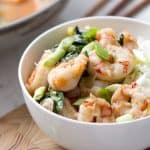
73 134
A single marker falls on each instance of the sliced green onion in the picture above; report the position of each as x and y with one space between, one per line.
113 87
39 93
101 52
125 118
90 33
105 93
60 51
79 102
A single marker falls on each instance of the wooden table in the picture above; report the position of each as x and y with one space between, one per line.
19 132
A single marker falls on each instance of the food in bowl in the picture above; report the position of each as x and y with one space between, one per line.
94 75
11 10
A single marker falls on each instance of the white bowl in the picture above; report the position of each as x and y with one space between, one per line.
73 134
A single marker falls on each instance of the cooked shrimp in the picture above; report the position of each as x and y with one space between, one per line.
121 64
66 75
107 36
39 75
121 100
68 110
95 109
129 99
128 40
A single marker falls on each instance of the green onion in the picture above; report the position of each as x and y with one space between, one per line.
60 51
101 52
125 118
39 93
71 31
79 102
90 34
105 93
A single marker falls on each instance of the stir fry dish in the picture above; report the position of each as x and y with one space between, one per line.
94 75
11 10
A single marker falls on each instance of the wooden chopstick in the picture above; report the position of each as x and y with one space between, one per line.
95 8
118 7
136 8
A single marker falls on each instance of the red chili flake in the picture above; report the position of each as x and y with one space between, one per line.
125 66
133 84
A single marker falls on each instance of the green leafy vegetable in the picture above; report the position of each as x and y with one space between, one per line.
39 93
125 118
77 30
79 102
75 49
58 98
60 51
79 40
121 39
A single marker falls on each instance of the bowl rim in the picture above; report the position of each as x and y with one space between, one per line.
17 22
63 118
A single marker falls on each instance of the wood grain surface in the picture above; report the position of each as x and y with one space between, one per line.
19 132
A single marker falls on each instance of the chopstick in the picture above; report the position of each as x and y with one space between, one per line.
118 7
95 8
136 8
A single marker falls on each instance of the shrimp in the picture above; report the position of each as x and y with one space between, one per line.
121 100
39 75
95 109
107 36
119 66
129 41
66 75
130 99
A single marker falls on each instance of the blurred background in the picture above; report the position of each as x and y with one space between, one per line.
22 20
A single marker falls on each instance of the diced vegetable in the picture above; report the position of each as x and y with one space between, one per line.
113 87
101 52
105 93
39 93
79 102
60 51
90 34
125 118
48 103
121 39
71 31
